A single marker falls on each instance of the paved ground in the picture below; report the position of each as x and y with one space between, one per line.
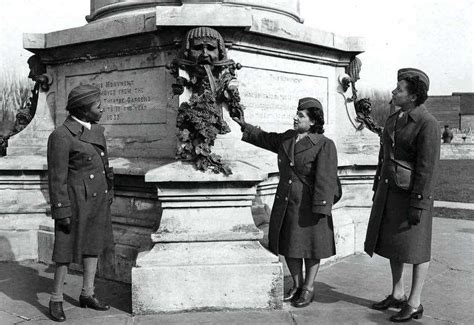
454 205
345 291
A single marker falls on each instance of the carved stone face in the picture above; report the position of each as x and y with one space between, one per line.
204 50
37 68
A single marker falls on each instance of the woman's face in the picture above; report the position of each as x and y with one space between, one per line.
301 122
400 95
94 113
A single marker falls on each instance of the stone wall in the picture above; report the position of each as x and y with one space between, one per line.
457 151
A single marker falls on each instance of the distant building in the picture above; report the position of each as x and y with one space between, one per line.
445 109
466 113
456 110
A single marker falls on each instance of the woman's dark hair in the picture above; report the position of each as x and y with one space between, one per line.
79 111
418 88
317 115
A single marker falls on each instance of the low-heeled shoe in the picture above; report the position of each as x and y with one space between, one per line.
407 313
304 299
390 302
92 302
292 294
56 311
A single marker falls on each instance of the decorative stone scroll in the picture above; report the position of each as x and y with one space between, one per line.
363 107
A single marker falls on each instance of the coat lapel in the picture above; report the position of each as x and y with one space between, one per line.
307 142
392 119
289 148
72 125
94 136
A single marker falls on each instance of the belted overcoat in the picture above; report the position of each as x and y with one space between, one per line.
301 223
414 141
80 187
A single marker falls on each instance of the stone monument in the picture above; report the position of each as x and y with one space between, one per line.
172 221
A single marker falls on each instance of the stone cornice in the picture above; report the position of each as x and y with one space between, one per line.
214 15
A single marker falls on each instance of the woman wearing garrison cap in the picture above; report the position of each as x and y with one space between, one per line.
400 221
301 226
80 187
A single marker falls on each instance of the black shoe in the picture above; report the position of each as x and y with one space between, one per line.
390 301
407 313
304 299
56 311
92 302
293 294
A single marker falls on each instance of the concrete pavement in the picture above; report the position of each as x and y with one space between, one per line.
454 205
344 292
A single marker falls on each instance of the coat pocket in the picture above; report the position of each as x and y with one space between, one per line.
403 176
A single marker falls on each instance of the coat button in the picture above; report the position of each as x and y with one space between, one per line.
419 196
106 191
89 158
286 199
59 205
393 145
102 153
386 181
91 176
290 181
94 194
103 172
279 160
291 164
378 177
324 202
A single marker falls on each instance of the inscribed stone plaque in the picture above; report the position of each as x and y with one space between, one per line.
271 97
128 96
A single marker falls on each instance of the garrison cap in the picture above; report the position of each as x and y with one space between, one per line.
307 102
412 72
82 95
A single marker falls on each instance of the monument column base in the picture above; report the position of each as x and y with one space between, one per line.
207 254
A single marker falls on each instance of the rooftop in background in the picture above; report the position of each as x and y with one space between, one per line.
467 103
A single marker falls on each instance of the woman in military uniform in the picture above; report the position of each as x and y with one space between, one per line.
400 221
301 226
80 188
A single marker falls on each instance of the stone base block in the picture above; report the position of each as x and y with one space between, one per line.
18 245
180 288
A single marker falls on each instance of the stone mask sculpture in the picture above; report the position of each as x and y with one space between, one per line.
212 83
26 113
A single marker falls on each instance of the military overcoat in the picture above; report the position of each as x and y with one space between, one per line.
80 187
415 139
301 223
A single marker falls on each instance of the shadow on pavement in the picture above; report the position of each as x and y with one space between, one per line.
327 294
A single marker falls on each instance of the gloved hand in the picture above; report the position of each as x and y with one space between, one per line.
414 216
64 225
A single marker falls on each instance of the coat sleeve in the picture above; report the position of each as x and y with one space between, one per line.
325 179
58 163
427 157
266 140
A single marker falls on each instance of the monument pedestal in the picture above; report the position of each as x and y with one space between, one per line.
206 253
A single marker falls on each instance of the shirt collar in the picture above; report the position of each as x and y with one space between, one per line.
85 124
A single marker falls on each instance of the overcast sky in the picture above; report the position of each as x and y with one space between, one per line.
436 36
